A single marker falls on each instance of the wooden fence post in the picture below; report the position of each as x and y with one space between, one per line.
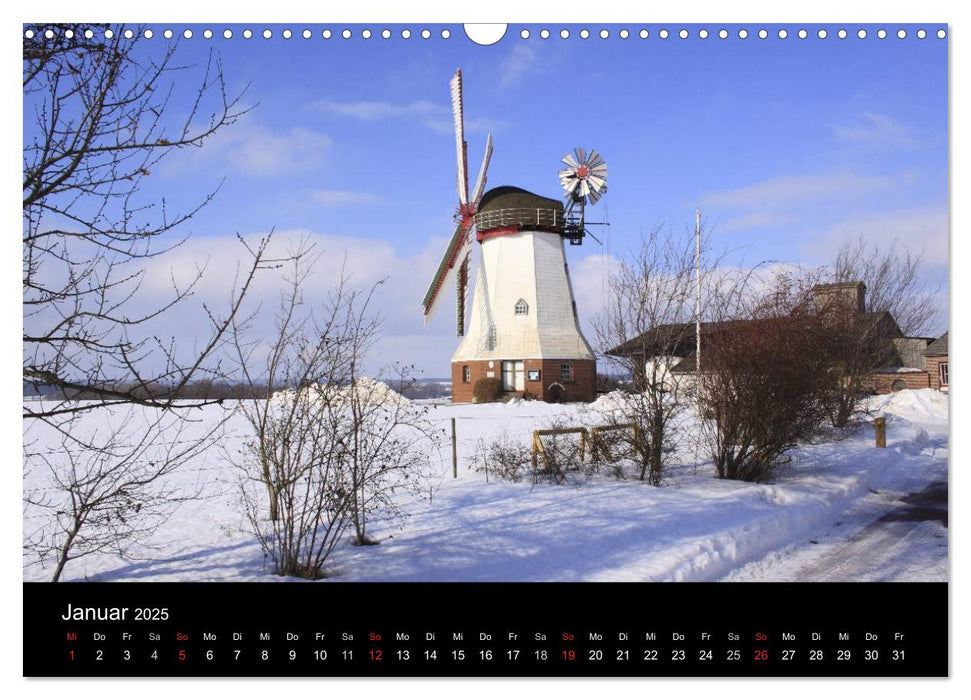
455 454
881 427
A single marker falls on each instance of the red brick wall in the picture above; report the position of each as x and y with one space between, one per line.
933 367
462 391
583 386
881 383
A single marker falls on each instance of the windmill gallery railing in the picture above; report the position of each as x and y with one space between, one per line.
533 219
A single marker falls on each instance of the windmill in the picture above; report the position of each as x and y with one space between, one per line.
523 328
457 256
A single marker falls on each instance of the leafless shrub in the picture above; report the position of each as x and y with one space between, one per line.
487 390
765 381
104 487
327 445
564 458
647 329
296 490
501 458
387 449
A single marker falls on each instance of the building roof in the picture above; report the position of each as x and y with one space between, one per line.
508 197
938 348
827 286
512 207
678 339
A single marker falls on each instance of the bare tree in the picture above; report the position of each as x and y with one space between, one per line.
103 500
98 110
296 491
646 325
328 446
898 301
98 119
389 447
860 343
894 282
766 377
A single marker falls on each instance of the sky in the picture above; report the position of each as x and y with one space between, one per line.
789 147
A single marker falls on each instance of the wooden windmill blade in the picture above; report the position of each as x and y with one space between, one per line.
480 181
445 266
460 147
462 293
457 256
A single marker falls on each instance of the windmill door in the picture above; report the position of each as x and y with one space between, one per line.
513 375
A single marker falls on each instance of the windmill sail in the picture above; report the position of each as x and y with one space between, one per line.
457 115
457 257
461 293
480 181
430 301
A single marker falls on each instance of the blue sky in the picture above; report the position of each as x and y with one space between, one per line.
789 147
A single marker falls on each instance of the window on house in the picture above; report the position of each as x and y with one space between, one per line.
522 308
942 373
566 373
466 374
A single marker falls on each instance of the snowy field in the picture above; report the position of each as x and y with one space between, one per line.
694 528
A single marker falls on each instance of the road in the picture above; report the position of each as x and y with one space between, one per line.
903 539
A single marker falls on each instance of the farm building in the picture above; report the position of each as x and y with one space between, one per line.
935 363
901 362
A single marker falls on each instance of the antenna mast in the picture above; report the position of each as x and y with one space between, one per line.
697 296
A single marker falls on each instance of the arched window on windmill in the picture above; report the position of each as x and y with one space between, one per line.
522 308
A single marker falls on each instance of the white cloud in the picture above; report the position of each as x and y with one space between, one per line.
335 198
374 111
788 192
436 116
365 261
257 150
519 64
755 220
878 131
922 229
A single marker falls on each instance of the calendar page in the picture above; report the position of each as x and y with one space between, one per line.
511 350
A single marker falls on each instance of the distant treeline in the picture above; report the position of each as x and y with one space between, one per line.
219 390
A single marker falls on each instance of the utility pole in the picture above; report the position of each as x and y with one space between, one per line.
697 298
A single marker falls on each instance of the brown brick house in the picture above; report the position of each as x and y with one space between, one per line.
935 363
903 361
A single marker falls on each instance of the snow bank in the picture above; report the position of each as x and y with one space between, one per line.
372 391
916 405
610 402
695 528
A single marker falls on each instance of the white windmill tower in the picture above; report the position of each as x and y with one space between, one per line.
523 328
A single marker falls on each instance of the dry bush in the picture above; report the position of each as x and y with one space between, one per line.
766 382
501 458
327 447
646 329
560 461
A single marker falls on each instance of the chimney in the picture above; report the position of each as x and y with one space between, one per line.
847 297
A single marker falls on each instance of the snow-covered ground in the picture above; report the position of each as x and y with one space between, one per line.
820 507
